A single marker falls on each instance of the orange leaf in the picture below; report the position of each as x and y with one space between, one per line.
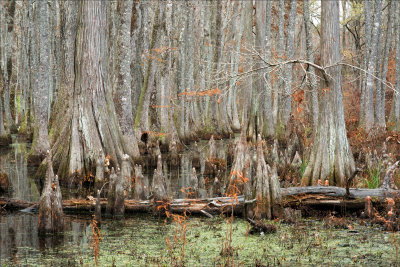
299 109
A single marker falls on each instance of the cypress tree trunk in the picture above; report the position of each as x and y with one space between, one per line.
268 127
122 97
278 84
395 109
381 86
368 6
368 122
41 98
233 88
3 67
91 129
331 157
287 72
310 57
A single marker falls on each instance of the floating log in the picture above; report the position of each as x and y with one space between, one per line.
309 196
332 196
194 206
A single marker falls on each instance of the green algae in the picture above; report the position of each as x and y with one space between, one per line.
142 241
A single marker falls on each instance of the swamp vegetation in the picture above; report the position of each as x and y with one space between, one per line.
199 133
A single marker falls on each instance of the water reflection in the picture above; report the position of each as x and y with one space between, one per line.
17 231
193 156
13 164
19 238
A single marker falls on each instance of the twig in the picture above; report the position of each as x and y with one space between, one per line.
349 180
206 214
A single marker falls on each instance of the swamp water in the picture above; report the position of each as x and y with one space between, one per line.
145 240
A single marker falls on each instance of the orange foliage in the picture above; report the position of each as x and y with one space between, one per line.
96 239
159 106
325 90
298 96
210 92
163 49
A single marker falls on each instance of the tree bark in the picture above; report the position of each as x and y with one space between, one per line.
278 84
235 123
91 127
368 122
395 110
380 96
122 97
287 71
368 6
331 157
41 98
268 192
263 45
312 78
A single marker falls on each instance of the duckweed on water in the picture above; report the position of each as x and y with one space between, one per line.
141 241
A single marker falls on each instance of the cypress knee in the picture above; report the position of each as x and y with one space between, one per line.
50 207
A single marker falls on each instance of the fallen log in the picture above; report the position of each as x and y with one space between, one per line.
313 196
332 196
196 206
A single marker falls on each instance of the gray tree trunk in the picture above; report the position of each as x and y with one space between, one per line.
263 45
235 68
93 131
380 85
287 96
41 96
64 107
142 115
122 97
312 78
3 64
280 51
369 117
248 81
136 31
368 6
5 43
331 157
395 110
